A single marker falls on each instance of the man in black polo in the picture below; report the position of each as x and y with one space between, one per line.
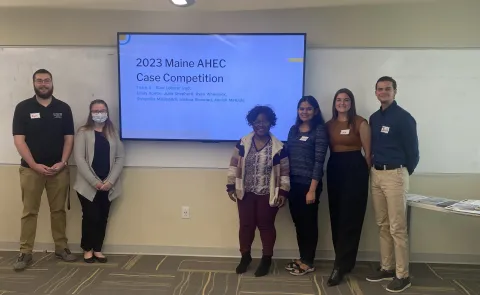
395 156
43 135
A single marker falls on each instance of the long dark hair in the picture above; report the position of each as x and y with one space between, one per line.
108 129
352 112
317 117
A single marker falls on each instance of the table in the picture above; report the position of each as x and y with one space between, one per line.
441 205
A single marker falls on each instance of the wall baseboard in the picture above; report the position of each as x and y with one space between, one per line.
229 252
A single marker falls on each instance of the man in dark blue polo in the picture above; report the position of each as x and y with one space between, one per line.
395 156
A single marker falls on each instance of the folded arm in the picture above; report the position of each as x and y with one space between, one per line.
410 143
284 173
119 163
321 147
232 168
80 156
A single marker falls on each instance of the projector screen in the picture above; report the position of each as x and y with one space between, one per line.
199 87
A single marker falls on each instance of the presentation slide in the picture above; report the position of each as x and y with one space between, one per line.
200 87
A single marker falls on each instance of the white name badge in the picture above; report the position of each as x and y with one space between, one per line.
304 138
34 115
345 131
385 129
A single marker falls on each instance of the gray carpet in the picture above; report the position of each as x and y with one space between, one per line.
173 275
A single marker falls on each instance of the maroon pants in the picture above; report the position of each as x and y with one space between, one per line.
255 211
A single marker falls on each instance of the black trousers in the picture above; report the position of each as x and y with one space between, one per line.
305 218
347 186
94 221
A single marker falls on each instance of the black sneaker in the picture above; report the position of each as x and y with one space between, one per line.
381 275
398 285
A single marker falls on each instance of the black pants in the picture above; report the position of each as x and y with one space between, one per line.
305 218
94 221
347 181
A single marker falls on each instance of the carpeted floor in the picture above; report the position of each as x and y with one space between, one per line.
172 275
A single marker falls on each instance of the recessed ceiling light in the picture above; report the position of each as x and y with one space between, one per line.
183 3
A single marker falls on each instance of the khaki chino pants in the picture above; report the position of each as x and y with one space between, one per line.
389 188
57 187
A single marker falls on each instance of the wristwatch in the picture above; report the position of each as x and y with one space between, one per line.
65 163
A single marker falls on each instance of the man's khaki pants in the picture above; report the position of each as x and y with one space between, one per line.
32 185
389 188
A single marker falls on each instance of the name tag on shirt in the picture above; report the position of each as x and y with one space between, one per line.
385 129
34 115
345 131
304 138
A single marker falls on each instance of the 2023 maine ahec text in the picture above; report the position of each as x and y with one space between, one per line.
212 63
180 63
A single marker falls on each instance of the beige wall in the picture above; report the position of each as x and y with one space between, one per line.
147 218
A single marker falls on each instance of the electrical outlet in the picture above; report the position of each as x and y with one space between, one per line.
185 212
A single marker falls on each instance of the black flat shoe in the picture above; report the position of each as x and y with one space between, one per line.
335 278
89 260
244 263
264 266
100 259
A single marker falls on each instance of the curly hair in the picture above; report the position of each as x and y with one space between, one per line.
267 111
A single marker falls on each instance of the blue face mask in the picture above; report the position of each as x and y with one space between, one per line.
99 117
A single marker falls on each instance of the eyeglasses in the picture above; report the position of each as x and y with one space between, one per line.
45 81
99 111
261 123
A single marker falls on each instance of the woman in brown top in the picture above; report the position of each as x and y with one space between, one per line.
347 181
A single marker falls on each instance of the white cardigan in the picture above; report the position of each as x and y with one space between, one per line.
86 179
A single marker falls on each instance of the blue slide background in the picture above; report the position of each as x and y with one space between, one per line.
257 70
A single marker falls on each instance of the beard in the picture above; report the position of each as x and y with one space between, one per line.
43 95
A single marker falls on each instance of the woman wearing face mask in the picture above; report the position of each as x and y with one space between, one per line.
99 156
347 181
307 147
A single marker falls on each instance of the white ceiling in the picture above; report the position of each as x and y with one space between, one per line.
203 5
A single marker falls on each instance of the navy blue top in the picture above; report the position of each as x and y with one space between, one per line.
101 157
306 152
394 138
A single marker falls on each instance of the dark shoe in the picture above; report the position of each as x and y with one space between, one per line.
381 275
90 259
398 285
335 278
100 259
264 266
244 263
66 255
23 261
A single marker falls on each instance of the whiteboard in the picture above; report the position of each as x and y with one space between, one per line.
437 86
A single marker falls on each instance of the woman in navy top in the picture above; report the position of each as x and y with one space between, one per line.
307 147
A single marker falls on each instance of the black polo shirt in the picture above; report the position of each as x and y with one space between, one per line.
394 138
44 128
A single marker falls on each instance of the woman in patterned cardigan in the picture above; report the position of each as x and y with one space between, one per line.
258 180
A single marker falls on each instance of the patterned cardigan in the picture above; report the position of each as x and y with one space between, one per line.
279 179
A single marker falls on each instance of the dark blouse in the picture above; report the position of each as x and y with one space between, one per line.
307 151
101 158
